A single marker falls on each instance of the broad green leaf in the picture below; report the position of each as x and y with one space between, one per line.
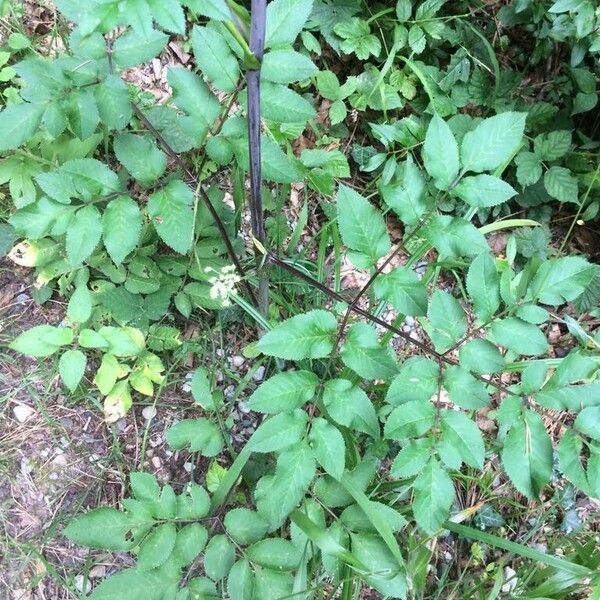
484 190
192 95
440 153
168 14
88 338
172 214
433 496
108 372
133 48
454 236
364 354
527 454
121 227
18 123
104 527
219 557
460 434
71 367
279 432
410 419
529 168
553 145
412 458
560 280
308 335
355 518
215 58
519 336
350 406
362 228
481 356
274 553
483 285
122 341
240 583
447 320
286 66
418 379
80 306
201 389
272 585
569 461
464 389
199 435
403 290
42 340
83 113
83 234
215 9
281 104
377 557
140 156
245 526
189 542
328 446
492 142
284 392
157 547
588 422
133 584
561 184
285 19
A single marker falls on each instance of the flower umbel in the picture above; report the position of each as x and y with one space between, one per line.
223 283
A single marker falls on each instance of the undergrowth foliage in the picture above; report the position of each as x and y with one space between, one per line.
364 447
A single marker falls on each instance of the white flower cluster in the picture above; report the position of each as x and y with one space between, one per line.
223 283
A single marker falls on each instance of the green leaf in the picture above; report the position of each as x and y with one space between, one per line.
144 486
285 19
245 526
362 228
218 557
104 527
492 142
552 145
283 105
454 236
272 585
171 211
215 58
560 280
286 66
140 156
308 335
519 336
561 184
132 584
529 168
18 123
133 48
484 190
192 95
527 454
275 553
463 389
189 542
481 356
83 113
157 547
71 367
80 306
168 14
200 435
350 406
215 9
201 390
483 285
588 422
363 353
433 496
376 556
447 320
42 340
284 392
411 459
418 379
410 419
328 446
461 435
121 227
403 290
240 583
83 234
440 153
279 432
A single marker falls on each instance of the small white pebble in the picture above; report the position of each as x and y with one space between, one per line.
243 407
237 361
22 412
156 462
79 581
149 412
97 571
188 467
259 374
186 387
60 460
511 580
